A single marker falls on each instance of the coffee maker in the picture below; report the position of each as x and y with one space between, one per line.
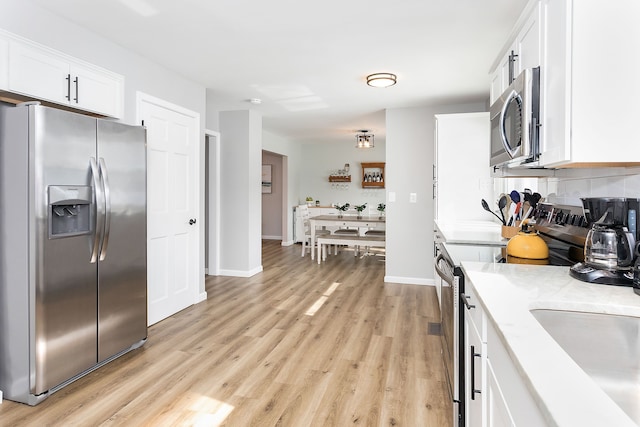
610 245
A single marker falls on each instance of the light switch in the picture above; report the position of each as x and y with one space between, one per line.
413 197
392 196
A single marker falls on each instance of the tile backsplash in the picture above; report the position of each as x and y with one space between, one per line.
569 185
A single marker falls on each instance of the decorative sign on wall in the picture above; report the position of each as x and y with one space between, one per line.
266 179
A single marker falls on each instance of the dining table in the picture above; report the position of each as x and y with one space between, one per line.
352 221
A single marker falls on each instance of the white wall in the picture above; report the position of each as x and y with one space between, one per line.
29 21
320 160
240 195
409 154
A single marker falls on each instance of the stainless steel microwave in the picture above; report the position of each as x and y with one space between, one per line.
515 121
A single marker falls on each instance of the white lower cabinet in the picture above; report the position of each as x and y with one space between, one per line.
498 414
475 375
474 360
495 393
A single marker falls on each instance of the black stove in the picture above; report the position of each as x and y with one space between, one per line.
564 228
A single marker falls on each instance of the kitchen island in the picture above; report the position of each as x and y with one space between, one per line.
561 392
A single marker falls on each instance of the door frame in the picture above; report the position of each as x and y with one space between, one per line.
212 198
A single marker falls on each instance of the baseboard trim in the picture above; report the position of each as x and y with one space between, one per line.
241 273
202 296
409 280
288 243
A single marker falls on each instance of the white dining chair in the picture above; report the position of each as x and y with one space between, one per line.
306 241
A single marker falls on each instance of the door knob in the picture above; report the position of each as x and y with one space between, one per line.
192 221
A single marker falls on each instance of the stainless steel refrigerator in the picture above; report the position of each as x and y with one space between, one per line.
73 260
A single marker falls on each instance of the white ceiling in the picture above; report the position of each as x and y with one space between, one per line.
307 60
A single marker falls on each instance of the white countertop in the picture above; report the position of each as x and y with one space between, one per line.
471 232
565 394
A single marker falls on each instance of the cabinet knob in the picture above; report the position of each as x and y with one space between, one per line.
192 221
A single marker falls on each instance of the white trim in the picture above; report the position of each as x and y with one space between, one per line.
143 97
287 243
201 297
271 237
409 280
241 273
213 220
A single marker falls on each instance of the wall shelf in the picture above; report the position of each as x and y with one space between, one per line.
373 175
339 178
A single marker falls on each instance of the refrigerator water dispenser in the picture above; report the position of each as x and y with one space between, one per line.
69 211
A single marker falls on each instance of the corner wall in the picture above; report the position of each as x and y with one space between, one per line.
409 154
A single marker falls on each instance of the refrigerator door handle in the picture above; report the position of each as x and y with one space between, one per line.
99 204
104 175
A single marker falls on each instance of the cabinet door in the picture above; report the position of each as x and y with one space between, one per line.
498 414
38 73
96 90
462 142
529 42
4 63
496 87
475 376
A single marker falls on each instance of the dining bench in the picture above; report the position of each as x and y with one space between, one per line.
333 239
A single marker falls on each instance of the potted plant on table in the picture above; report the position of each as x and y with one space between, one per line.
381 208
309 200
341 209
360 208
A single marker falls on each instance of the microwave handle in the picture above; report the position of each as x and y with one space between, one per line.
503 115
535 139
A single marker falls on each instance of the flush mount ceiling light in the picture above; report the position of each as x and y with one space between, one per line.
381 79
364 139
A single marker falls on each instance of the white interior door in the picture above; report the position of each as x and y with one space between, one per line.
172 206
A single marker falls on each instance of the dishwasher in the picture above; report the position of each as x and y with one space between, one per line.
447 266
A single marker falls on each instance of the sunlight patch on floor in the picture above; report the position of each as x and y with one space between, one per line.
209 412
320 301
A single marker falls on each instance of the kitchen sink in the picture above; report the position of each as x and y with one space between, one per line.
605 346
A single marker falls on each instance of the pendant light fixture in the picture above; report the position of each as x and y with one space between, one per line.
364 139
381 79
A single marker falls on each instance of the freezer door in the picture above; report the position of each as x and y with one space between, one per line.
122 268
65 281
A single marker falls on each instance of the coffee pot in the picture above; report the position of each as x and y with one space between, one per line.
610 245
611 248
636 271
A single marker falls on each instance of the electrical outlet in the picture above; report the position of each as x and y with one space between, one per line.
392 196
413 197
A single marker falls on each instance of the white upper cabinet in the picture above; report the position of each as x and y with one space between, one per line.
4 63
590 83
524 51
589 67
461 153
37 72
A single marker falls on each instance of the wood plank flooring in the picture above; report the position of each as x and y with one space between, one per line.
299 344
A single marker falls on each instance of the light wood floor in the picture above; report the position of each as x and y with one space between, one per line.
254 354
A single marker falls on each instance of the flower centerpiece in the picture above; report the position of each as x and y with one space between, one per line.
381 208
341 209
360 208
